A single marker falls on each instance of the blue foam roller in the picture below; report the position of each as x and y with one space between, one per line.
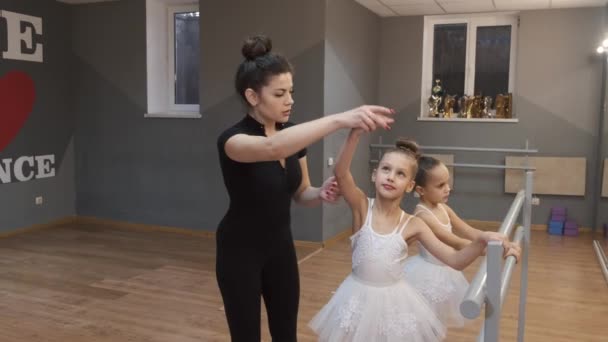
556 225
556 231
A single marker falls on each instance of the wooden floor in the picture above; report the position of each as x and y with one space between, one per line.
93 283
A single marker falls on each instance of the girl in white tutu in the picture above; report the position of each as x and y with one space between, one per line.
375 303
441 285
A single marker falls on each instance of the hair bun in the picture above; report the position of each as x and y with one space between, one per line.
256 46
409 146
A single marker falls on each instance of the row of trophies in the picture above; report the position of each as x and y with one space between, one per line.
451 106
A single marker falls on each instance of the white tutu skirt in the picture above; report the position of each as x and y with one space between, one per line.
367 313
442 286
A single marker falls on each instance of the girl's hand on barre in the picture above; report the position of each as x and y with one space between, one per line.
512 249
486 237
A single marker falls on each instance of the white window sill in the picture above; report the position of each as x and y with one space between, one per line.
180 115
468 120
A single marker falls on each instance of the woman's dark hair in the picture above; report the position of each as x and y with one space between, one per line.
259 65
425 165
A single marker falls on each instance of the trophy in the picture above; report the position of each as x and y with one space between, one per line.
434 101
487 107
462 107
472 106
476 107
504 106
448 106
468 104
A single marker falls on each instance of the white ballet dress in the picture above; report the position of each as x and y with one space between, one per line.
442 286
375 303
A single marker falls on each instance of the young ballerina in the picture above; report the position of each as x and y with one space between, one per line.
375 302
442 286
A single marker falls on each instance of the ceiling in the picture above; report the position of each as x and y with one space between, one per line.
390 8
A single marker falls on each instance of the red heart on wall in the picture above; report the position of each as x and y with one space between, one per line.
17 95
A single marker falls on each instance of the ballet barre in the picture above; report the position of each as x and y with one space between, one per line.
490 293
495 299
480 166
466 149
601 258
491 282
489 286
526 151
473 300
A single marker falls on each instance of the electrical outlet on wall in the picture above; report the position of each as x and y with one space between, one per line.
39 200
535 201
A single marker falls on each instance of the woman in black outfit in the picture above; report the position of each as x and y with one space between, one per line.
263 162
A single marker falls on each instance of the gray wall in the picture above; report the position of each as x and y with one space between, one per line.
351 74
165 171
49 127
557 94
127 167
602 205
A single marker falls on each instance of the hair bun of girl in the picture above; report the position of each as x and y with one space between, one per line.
256 46
409 146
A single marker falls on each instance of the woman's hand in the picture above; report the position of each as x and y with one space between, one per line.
368 118
330 192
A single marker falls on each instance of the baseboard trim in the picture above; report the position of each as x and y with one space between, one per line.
142 227
308 244
40 226
533 227
337 238
209 234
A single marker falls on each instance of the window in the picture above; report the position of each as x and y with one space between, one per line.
470 55
173 58
184 58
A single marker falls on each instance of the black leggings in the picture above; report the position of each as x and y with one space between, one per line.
245 273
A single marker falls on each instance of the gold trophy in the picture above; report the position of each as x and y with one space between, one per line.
448 106
504 106
476 107
468 105
472 107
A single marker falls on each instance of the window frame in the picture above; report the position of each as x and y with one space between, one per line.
171 74
158 67
473 21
